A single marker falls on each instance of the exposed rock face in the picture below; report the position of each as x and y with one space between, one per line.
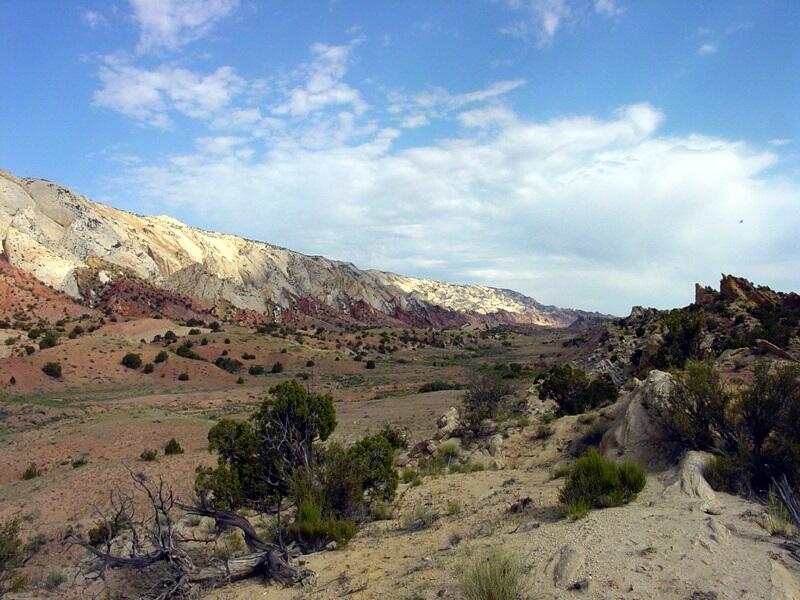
635 434
81 247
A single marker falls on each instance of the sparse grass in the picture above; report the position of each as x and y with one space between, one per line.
776 518
495 575
470 467
543 431
54 580
421 518
453 507
408 475
193 520
381 511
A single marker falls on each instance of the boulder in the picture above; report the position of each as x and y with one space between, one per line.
449 424
635 434
495 445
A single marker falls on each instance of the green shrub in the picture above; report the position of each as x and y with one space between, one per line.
149 454
756 436
172 447
48 341
682 332
185 351
574 392
309 364
597 482
31 472
52 369
496 575
436 386
161 357
370 364
231 365
132 361
277 368
695 411
278 439
256 370
183 377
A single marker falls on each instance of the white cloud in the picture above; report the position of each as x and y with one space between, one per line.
608 8
322 84
545 18
170 24
151 95
708 48
93 19
419 109
780 142
584 211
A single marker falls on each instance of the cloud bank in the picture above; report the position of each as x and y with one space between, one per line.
598 211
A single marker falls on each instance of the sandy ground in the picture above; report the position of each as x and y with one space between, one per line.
660 546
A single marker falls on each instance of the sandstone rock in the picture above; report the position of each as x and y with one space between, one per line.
770 348
449 424
635 434
690 482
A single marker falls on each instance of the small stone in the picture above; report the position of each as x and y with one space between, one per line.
332 546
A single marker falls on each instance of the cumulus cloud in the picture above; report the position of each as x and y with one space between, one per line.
580 210
151 95
169 24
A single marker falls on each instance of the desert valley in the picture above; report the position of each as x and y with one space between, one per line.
357 300
128 339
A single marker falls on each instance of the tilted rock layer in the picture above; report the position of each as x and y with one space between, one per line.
81 248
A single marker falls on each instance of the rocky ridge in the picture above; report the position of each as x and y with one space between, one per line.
82 248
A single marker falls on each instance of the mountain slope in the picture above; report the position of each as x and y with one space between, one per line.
83 248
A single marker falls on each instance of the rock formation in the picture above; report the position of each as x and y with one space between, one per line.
83 248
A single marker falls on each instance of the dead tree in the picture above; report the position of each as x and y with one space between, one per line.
151 549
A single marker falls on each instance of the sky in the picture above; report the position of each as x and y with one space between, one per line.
595 154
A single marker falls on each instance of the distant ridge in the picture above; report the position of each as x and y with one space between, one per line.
118 260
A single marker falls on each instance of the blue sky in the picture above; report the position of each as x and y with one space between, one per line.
591 153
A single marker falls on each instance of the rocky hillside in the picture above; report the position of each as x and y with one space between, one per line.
92 252
733 326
